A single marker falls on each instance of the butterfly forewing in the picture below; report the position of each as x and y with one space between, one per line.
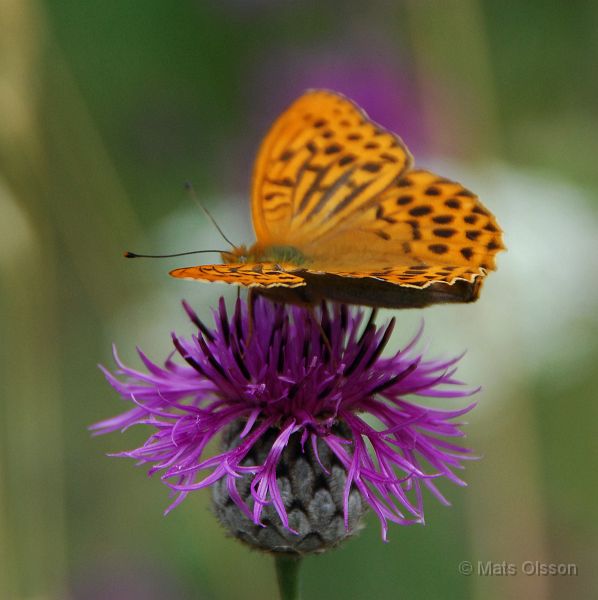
322 160
261 275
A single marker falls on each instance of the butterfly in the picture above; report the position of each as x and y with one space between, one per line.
340 214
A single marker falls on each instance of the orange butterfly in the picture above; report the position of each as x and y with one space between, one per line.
340 215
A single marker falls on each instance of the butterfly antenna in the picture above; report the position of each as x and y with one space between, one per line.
191 190
135 255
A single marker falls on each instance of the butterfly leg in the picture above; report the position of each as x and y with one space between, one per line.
323 333
251 295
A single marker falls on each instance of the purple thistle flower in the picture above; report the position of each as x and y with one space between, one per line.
310 383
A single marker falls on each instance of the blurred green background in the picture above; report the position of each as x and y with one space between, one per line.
107 108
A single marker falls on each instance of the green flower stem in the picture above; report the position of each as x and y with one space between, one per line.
287 573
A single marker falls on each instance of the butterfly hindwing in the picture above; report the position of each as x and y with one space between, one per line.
448 223
421 223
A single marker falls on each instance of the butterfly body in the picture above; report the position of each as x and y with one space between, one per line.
340 215
257 254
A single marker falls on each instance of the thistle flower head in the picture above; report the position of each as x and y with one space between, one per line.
306 405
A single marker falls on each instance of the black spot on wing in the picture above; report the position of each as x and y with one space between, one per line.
444 232
333 149
438 248
371 167
432 191
419 211
453 203
443 219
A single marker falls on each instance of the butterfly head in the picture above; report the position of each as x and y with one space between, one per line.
243 254
237 255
